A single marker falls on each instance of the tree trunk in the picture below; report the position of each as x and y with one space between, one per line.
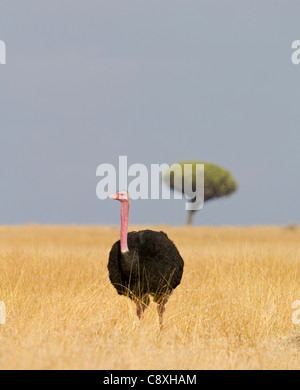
190 218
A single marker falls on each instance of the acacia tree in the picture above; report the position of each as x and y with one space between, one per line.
218 182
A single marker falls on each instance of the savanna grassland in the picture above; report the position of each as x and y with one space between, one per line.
233 309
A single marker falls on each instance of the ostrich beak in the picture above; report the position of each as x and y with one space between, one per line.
114 197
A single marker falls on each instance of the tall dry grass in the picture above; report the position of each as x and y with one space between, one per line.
231 311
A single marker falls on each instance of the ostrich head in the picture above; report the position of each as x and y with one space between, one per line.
122 196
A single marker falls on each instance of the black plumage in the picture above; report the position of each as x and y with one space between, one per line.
153 266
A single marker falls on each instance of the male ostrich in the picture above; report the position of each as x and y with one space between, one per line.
143 263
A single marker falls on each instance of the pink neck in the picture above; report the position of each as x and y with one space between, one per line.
124 225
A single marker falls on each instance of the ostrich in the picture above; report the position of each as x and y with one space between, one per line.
143 263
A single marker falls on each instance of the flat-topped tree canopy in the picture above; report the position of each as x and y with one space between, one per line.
218 182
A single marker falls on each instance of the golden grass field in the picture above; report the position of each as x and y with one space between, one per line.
233 309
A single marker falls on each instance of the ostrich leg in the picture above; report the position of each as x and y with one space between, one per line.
141 305
160 310
139 309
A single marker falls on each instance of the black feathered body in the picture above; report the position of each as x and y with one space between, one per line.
152 266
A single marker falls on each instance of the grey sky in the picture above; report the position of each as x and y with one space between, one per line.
158 81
